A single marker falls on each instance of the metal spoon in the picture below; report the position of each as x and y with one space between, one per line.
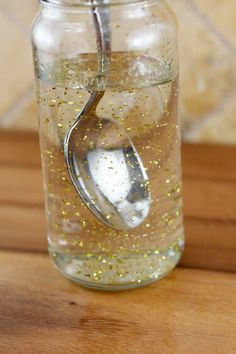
103 164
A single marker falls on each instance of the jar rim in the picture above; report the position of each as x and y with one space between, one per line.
87 3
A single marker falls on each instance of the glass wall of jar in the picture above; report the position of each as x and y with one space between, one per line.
138 106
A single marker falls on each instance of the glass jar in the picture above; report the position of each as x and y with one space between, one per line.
139 98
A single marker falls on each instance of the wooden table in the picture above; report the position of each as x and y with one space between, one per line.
191 311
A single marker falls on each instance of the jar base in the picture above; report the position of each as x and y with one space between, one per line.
117 272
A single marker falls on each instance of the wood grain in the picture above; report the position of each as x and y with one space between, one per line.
212 162
21 185
23 228
19 149
209 196
191 311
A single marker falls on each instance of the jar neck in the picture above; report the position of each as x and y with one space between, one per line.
89 3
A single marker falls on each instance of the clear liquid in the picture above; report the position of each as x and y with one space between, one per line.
82 247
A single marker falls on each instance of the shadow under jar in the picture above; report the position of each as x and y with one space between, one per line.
139 102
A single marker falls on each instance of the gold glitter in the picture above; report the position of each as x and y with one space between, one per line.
98 254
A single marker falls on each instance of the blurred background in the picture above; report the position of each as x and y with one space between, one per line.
207 62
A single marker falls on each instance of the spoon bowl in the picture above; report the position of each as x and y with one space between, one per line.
106 169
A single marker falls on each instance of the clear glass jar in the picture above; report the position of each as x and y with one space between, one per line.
140 96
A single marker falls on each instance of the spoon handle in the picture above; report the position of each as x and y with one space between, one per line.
90 106
101 18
